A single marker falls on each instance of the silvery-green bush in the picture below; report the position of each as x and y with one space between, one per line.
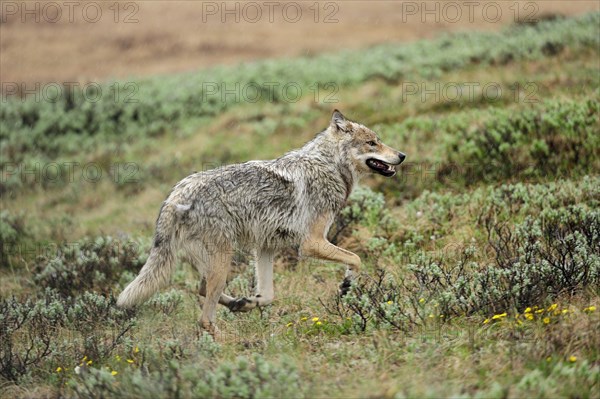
89 264
243 377
31 330
536 243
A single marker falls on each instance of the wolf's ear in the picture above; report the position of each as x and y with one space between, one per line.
338 120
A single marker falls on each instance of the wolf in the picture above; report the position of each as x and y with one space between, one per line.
262 206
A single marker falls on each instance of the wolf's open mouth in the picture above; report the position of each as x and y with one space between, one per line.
381 167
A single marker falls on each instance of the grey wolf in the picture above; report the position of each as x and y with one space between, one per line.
262 206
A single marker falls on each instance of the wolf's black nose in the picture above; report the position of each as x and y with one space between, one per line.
402 157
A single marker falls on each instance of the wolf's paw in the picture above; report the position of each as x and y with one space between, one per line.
241 305
345 286
210 328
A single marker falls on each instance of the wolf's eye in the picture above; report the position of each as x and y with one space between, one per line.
371 143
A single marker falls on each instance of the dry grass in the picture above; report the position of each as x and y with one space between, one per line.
172 37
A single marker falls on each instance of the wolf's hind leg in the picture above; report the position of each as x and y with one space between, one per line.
264 287
218 265
200 256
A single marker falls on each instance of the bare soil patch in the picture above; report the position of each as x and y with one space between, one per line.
39 45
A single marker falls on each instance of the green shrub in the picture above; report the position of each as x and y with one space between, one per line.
561 379
100 322
28 334
378 302
91 264
532 262
241 378
32 331
560 138
365 207
538 242
166 302
554 139
510 201
13 231
507 202
542 258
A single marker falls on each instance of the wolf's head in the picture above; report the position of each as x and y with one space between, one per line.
362 148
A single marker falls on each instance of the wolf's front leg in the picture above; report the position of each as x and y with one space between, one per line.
317 246
322 249
264 287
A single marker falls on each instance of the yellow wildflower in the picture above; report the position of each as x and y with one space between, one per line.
421 300
89 362
590 309
572 359
565 311
389 302
546 320
552 307
528 310
118 358
58 369
315 319
304 318
318 323
431 316
114 372
84 359
289 324
539 311
486 321
549 359
136 350
130 361
498 316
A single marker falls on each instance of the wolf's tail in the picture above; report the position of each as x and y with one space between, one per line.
160 265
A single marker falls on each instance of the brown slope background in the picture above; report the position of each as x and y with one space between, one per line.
55 42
